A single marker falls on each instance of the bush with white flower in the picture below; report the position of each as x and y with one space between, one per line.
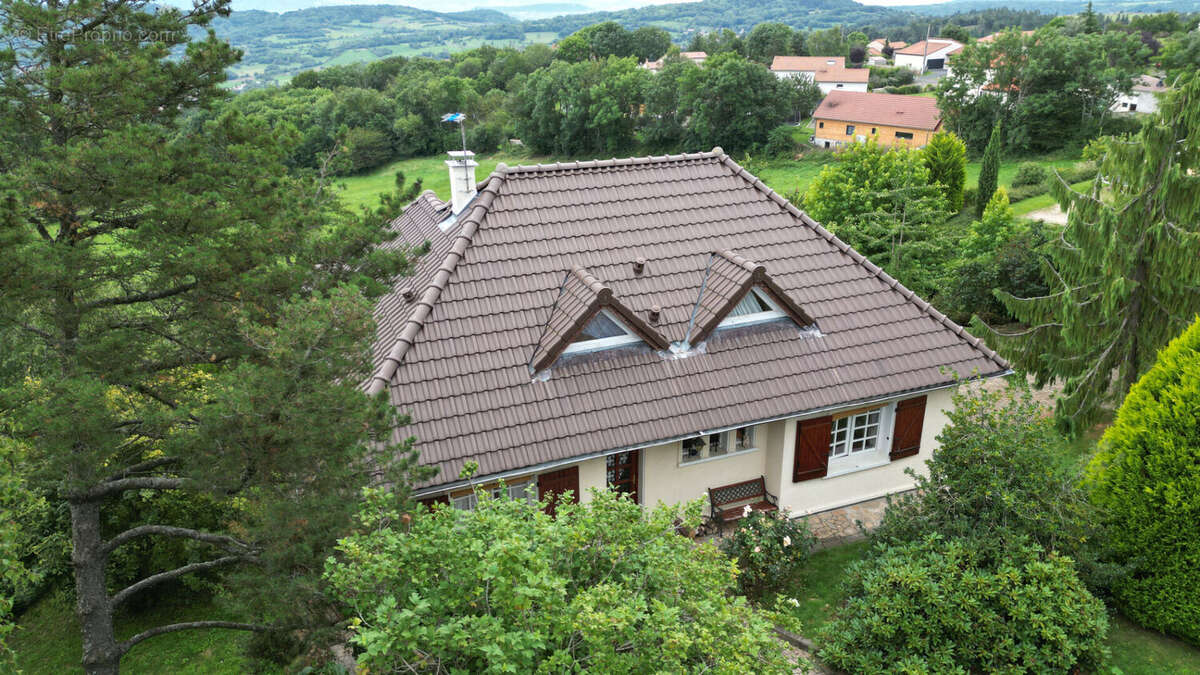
771 550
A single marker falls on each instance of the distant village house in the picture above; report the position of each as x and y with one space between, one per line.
891 120
829 72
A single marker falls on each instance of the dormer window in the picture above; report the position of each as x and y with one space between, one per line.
755 307
604 331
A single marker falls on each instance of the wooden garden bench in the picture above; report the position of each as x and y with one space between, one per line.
729 502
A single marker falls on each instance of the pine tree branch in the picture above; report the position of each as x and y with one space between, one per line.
147 465
136 298
113 487
190 625
231 545
133 589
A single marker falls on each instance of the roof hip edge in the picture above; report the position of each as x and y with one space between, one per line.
857 257
416 321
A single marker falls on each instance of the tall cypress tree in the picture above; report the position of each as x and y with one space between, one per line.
989 171
946 159
181 315
1125 274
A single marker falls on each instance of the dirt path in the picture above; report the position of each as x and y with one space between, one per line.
1050 214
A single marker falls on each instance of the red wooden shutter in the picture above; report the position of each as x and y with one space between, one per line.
906 439
556 482
812 449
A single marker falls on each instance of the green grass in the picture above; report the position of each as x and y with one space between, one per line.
1137 651
1026 206
47 640
820 595
366 188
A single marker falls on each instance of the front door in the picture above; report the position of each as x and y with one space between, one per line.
622 473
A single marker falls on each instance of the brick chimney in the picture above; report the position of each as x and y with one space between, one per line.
462 178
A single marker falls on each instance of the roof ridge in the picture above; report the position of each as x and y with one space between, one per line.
715 153
872 268
416 321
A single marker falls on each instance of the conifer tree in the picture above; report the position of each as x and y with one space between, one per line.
946 158
180 315
1091 22
1125 274
989 172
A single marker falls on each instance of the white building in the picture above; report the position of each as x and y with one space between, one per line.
829 72
1144 97
931 54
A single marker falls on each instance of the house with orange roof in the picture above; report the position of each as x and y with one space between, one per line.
828 72
890 119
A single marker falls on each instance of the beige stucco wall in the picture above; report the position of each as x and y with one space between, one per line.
591 475
821 494
665 480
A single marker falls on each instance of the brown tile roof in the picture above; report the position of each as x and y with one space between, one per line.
580 299
456 353
935 44
810 63
910 112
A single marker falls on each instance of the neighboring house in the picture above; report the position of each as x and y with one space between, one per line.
928 54
697 58
890 119
658 326
1144 98
829 72
875 53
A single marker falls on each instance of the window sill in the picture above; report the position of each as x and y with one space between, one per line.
727 455
865 465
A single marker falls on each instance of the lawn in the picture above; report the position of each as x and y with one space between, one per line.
47 640
785 176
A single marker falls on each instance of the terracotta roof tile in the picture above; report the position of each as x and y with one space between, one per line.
806 63
912 112
934 45
456 354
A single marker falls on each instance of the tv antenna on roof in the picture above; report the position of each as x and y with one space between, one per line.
458 117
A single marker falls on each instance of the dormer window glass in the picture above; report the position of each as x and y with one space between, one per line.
604 331
756 307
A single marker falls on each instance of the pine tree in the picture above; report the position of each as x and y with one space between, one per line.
1091 22
1125 272
989 171
180 315
946 158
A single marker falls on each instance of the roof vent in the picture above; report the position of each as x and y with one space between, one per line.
655 314
407 292
639 266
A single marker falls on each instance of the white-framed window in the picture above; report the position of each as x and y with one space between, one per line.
526 490
604 331
756 307
855 434
712 446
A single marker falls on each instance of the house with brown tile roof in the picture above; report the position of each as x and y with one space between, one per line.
829 72
658 326
889 119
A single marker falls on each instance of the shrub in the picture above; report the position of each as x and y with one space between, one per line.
1029 173
771 549
904 89
781 142
1146 476
993 479
604 586
883 76
936 606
